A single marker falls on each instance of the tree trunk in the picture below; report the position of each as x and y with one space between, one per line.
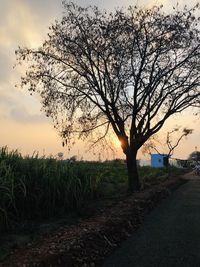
133 177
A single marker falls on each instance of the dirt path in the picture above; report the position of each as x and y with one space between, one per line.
170 235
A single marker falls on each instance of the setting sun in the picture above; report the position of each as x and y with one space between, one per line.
116 143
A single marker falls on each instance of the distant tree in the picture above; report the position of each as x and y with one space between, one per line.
73 158
195 155
126 72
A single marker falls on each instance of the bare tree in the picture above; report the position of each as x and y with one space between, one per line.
126 72
169 144
173 144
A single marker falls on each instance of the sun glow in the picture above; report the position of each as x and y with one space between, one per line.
117 143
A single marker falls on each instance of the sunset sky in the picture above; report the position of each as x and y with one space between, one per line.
22 125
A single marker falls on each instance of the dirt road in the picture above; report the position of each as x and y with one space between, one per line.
169 236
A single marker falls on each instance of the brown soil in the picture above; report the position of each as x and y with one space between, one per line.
94 238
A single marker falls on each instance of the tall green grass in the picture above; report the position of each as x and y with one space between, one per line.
34 187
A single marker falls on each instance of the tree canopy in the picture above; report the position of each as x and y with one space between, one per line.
126 71
195 155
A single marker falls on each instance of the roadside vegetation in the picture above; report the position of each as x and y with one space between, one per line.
38 188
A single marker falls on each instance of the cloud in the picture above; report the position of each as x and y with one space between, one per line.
22 115
6 100
18 26
17 105
20 21
113 4
6 69
46 8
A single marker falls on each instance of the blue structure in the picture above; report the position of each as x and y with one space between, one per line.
159 160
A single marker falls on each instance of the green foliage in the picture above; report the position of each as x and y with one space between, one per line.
151 175
195 155
34 188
